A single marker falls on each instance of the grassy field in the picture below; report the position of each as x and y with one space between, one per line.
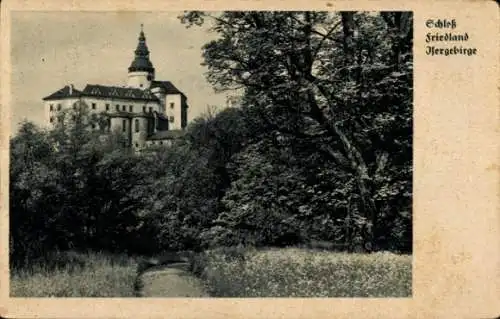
72 274
233 272
294 272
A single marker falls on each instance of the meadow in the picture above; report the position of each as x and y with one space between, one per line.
294 272
72 274
226 272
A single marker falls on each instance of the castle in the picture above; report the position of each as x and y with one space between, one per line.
146 111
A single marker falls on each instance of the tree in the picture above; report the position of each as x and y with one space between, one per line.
62 190
341 80
191 177
31 180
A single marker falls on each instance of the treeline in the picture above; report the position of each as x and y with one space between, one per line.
320 149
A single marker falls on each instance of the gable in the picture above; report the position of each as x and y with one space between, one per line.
65 92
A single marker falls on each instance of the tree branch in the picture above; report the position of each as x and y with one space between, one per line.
324 37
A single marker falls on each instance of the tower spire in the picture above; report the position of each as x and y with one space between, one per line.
141 60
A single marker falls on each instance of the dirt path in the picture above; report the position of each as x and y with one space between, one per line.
171 281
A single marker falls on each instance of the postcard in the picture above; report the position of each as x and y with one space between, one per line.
242 159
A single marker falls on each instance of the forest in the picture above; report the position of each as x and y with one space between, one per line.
319 149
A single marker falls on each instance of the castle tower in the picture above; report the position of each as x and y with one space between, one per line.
141 72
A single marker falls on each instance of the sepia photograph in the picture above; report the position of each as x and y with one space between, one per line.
242 159
211 154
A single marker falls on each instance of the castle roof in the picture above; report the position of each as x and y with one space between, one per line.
103 91
167 86
118 92
67 91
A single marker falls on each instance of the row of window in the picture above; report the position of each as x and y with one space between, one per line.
137 124
60 120
124 123
117 107
124 108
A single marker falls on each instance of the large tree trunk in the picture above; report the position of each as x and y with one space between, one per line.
363 181
401 31
358 164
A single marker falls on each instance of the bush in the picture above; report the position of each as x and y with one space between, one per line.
197 264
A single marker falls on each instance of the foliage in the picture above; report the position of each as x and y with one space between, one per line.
340 81
191 179
73 274
320 149
296 272
64 191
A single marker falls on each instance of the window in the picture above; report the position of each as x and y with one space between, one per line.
137 145
130 108
51 119
140 85
172 105
124 128
171 119
161 142
117 107
73 117
93 126
107 107
52 107
109 124
93 106
144 109
58 107
136 125
124 108
150 109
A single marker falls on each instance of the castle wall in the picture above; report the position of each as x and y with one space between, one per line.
99 105
160 95
139 80
51 109
173 106
139 131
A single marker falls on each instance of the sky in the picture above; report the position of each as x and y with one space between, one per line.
52 49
